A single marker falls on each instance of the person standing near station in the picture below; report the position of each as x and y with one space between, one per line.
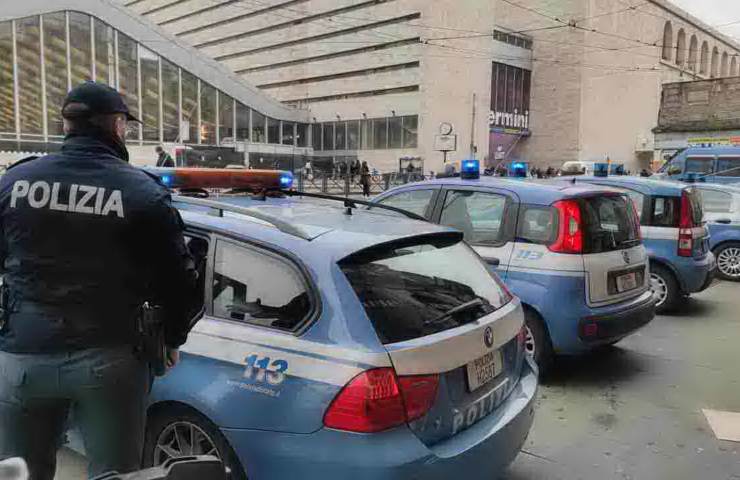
85 240
164 159
365 179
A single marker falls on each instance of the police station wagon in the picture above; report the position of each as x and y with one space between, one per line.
572 253
674 233
343 344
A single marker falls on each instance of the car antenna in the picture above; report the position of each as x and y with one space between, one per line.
573 180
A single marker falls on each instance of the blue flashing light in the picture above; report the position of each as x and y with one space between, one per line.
286 180
601 170
518 170
167 180
470 169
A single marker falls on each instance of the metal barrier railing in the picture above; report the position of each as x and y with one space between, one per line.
337 184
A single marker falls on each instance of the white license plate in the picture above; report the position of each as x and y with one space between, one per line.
484 369
626 282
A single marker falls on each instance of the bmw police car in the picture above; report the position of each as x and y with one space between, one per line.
341 343
572 253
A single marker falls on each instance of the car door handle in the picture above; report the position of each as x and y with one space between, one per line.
492 261
724 221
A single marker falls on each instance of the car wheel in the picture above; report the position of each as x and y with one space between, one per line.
537 341
179 432
665 289
728 261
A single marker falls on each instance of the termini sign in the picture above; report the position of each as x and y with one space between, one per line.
509 120
510 92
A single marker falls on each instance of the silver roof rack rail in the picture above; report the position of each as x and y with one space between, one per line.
221 207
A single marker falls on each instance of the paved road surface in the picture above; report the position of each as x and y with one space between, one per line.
633 412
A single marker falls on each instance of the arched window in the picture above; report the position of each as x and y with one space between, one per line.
693 51
724 70
733 66
667 41
715 63
681 48
704 59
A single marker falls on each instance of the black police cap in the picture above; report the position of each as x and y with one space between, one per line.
99 99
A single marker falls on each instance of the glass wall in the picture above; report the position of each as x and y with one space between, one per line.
128 78
316 136
174 105
288 133
301 135
28 47
7 103
273 130
207 114
170 102
225 117
55 60
367 134
190 108
80 48
149 65
259 133
242 121
105 65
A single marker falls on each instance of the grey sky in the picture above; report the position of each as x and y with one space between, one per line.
716 13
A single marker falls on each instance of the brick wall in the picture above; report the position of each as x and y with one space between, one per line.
700 106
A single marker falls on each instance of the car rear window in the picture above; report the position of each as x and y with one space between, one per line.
609 223
407 287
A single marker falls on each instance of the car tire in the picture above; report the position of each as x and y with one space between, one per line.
159 429
728 261
537 341
665 288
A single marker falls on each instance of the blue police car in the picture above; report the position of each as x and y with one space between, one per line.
572 253
721 204
717 164
674 233
343 343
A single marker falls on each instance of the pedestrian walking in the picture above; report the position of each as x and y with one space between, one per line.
164 159
365 179
85 240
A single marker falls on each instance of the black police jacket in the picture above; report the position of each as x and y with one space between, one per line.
85 239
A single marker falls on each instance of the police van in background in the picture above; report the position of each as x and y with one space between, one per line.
720 164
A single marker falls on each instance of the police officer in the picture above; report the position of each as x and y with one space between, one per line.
85 239
164 159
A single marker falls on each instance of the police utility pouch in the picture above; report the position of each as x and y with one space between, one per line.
151 329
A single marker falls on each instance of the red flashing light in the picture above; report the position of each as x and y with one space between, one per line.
377 400
223 178
570 236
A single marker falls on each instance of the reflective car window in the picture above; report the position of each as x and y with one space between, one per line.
258 287
728 167
537 225
715 201
407 289
416 201
478 215
699 165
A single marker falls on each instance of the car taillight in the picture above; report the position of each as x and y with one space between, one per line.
570 235
685 227
377 400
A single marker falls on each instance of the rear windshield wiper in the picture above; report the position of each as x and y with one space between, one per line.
475 303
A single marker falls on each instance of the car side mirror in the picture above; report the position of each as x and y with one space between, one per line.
724 221
493 261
